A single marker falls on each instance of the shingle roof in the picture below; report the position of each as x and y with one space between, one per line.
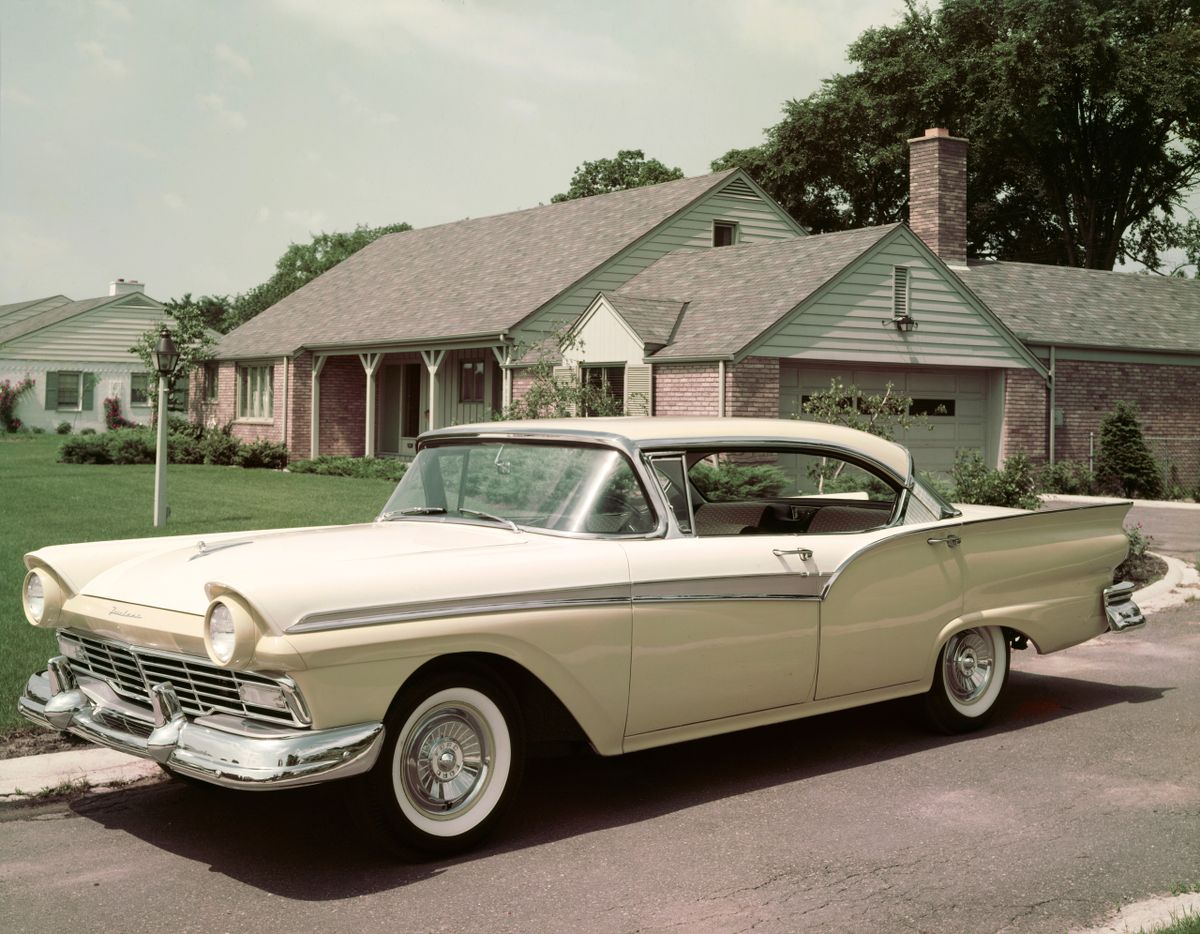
735 293
1063 305
652 319
17 306
480 276
52 316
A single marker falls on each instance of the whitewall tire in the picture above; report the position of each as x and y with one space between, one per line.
972 669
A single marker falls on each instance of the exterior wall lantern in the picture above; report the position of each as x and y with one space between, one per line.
905 322
165 356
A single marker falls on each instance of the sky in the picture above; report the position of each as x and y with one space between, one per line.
186 143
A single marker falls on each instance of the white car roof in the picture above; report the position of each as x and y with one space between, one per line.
662 431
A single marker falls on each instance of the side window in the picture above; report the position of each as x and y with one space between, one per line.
785 492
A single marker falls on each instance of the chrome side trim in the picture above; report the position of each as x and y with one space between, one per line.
601 595
710 597
788 585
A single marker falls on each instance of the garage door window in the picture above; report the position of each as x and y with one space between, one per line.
932 408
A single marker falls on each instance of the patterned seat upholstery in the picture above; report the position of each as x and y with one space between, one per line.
846 519
729 518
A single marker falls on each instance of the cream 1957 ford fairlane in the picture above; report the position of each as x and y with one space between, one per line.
632 582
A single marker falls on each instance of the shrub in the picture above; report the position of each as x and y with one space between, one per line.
177 425
262 453
63 428
1070 477
1125 464
36 430
184 449
88 431
365 468
130 446
975 482
220 448
84 449
731 483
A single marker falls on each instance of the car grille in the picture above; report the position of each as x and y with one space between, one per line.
202 688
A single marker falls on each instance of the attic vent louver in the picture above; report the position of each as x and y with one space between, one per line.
901 317
740 188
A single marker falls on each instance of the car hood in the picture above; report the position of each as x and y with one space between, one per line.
289 574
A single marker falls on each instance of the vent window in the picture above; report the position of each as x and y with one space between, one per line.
900 291
724 233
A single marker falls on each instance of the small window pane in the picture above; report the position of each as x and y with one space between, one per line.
211 374
470 384
932 407
724 234
139 389
70 392
255 391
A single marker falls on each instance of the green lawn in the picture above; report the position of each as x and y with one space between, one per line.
43 502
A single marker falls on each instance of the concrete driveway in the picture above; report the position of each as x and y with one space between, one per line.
1083 794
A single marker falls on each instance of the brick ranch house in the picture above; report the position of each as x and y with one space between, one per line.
703 297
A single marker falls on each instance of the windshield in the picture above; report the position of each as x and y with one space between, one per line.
565 488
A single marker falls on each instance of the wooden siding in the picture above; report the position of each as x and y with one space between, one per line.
605 338
101 335
844 321
758 220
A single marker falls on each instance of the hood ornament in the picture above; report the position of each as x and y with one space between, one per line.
203 548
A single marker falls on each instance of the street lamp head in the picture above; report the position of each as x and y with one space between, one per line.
165 354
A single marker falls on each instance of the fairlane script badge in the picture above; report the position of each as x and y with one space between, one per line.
115 612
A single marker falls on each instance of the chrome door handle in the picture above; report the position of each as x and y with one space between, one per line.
804 553
952 540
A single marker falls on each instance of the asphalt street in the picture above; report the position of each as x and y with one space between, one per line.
1176 531
1082 795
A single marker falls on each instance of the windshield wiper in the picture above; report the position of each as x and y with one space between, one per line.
489 517
412 511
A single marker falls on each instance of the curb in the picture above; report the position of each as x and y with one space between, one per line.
1172 590
1147 915
29 777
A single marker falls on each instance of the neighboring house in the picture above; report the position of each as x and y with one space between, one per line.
701 297
77 354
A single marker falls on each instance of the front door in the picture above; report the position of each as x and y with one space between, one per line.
403 400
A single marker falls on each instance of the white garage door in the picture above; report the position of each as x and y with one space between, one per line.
954 402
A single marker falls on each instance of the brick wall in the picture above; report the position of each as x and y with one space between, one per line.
752 388
687 389
343 407
1024 427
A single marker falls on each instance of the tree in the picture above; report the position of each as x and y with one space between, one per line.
1083 117
193 338
553 392
300 264
211 309
1125 464
630 169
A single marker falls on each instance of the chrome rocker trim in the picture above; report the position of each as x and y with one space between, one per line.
220 749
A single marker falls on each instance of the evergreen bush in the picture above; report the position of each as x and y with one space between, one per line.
1125 465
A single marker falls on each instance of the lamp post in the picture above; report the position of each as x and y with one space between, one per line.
165 356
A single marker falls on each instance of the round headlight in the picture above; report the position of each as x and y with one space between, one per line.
35 596
221 633
230 632
42 597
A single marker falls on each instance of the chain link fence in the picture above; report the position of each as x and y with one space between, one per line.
1179 459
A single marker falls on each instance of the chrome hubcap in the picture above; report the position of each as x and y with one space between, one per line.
447 760
968 665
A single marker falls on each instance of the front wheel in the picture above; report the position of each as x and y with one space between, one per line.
452 758
971 672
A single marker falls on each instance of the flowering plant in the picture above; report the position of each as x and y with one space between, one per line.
10 393
112 414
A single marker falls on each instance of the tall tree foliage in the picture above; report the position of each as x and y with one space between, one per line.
1083 117
630 169
300 264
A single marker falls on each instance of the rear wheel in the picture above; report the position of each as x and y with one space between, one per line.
452 759
971 672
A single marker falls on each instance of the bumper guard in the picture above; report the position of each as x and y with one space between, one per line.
1123 614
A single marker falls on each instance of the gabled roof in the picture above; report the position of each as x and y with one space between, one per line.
472 277
52 316
6 310
1063 305
652 320
735 293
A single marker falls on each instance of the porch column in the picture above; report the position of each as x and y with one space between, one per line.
503 355
314 441
370 363
433 359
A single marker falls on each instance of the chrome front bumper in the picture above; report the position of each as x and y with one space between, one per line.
1123 614
220 749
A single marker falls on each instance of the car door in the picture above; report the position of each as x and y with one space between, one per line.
721 626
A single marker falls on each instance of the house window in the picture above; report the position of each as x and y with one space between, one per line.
724 233
139 389
470 381
70 391
610 380
256 391
211 373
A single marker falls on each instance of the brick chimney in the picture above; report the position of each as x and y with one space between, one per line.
937 193
125 286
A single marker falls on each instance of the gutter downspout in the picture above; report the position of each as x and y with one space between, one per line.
287 383
720 388
1052 408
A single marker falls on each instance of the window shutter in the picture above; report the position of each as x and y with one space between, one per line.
89 391
899 291
52 390
639 382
